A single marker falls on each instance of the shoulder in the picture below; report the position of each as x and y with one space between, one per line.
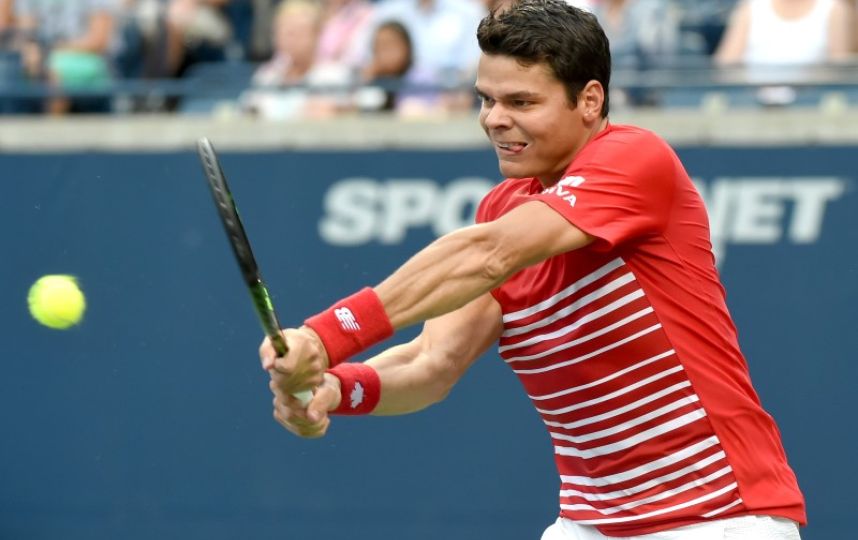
628 145
507 189
629 156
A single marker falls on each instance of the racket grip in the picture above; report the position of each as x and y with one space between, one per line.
304 397
280 347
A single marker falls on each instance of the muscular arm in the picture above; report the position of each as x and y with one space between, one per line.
413 375
445 285
463 265
422 372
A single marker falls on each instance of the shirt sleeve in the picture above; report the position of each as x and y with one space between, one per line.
484 209
620 193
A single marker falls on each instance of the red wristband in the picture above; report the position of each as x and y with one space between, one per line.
360 388
352 325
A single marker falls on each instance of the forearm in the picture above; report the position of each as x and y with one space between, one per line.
465 264
422 372
444 276
408 382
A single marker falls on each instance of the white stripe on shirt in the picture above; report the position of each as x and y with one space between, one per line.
573 307
616 393
641 470
694 467
560 332
653 498
686 504
565 293
610 377
584 357
637 438
619 428
624 409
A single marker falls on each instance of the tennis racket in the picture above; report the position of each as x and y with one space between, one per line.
243 253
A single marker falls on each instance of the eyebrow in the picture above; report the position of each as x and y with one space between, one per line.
521 95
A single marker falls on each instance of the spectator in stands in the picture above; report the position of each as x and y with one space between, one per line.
70 44
443 33
179 33
391 61
6 16
787 32
344 31
641 32
12 65
297 26
197 30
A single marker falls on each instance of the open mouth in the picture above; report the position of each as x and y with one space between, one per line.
510 148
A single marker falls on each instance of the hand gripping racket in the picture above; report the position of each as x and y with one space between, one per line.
243 253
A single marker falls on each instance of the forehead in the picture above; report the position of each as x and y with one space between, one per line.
389 33
501 74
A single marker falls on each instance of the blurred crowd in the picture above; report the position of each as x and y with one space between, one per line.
318 58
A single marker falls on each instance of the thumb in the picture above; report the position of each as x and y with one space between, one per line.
324 400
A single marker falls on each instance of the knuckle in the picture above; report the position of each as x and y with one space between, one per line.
285 366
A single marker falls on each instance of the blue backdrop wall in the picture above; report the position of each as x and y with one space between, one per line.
152 419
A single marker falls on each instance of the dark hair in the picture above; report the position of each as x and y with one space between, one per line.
569 40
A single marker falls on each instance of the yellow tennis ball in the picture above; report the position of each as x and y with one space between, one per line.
56 301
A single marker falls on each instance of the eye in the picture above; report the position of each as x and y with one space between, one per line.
487 101
520 103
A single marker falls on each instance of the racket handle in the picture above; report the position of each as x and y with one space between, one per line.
304 397
280 347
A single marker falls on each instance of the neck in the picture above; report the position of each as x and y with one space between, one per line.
595 129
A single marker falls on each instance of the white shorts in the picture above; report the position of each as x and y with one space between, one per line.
738 528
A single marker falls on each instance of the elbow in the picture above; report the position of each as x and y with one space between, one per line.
443 377
496 258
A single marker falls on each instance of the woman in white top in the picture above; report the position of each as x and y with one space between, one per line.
787 32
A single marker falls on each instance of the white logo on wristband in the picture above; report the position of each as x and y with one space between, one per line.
356 396
347 319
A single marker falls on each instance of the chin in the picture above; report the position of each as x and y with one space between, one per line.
514 170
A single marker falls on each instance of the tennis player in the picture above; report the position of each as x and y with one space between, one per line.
591 266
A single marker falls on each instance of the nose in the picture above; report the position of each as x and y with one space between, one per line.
495 117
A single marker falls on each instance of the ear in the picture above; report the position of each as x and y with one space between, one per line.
590 101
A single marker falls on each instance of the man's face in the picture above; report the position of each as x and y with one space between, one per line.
527 115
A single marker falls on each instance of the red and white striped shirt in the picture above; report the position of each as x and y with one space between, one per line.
629 354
